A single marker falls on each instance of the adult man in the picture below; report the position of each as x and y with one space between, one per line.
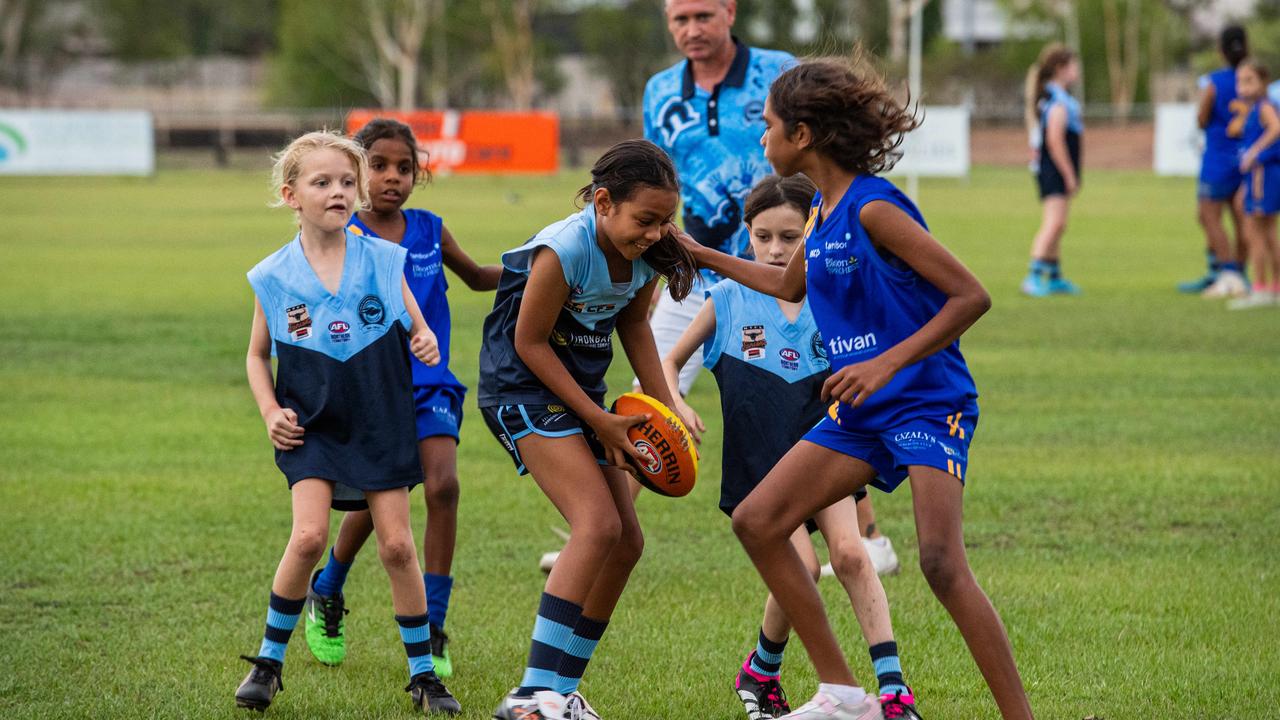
705 112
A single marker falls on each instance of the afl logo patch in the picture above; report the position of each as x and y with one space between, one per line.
372 312
652 461
790 358
339 331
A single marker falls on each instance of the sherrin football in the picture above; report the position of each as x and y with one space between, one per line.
672 466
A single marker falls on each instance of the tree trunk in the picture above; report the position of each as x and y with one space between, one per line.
514 47
397 29
899 16
1124 53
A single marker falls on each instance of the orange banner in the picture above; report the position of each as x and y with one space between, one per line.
478 141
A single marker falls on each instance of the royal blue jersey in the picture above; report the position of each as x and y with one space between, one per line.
1253 131
1220 145
770 371
424 271
583 334
343 364
714 139
866 302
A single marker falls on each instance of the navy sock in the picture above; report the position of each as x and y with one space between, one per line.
439 587
416 635
586 635
766 661
552 631
884 656
1229 266
282 617
332 576
1214 265
1053 268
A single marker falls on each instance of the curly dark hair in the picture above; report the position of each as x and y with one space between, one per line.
385 128
854 118
628 167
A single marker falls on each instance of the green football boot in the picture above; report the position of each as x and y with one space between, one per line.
440 653
325 625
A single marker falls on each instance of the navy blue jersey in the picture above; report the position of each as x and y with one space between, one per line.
583 334
1253 131
343 364
770 371
424 271
865 303
713 139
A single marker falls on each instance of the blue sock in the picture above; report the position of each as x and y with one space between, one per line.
1231 266
1214 265
332 576
439 587
282 617
767 659
884 657
586 635
416 635
552 632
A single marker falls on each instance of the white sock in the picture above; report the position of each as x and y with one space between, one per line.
845 694
879 541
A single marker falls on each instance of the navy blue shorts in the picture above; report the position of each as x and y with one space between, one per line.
439 410
940 442
509 423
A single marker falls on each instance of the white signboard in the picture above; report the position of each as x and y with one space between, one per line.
1178 140
939 147
73 142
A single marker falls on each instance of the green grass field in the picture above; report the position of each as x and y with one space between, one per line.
1122 499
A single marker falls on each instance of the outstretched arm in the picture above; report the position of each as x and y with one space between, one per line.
476 276
784 283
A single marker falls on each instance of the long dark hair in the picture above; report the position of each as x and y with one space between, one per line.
625 169
1234 44
855 119
384 128
795 192
1052 57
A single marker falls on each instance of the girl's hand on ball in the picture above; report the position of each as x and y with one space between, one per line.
611 431
689 416
283 429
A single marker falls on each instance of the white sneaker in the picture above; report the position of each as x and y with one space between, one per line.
579 708
880 550
826 707
548 561
543 705
883 558
1255 299
1230 284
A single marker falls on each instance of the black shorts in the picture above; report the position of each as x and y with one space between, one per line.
509 423
1048 179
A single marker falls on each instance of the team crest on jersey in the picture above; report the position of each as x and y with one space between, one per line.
674 118
753 342
299 321
816 348
753 111
373 314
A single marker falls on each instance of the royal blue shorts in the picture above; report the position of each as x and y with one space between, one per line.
439 410
940 441
1220 178
1262 190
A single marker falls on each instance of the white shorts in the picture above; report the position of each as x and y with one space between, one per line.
669 321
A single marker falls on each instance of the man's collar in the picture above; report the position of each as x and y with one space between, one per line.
736 77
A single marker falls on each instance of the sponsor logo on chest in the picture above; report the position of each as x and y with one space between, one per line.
753 342
299 320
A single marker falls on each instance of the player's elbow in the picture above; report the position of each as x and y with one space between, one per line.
981 302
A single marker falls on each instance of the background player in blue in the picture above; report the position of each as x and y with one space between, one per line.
891 304
547 345
770 363
334 306
1058 170
1221 116
394 170
704 111
1260 163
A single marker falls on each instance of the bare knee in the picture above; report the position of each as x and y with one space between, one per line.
442 491
942 567
397 553
629 548
308 544
849 560
601 531
751 527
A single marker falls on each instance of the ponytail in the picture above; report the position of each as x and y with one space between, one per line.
1052 58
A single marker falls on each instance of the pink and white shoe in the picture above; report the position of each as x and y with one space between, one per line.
826 707
899 706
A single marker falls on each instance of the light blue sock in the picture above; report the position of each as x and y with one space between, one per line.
282 618
416 635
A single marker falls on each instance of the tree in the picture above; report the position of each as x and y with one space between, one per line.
648 48
511 26
398 28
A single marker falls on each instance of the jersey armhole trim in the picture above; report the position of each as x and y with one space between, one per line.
714 346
